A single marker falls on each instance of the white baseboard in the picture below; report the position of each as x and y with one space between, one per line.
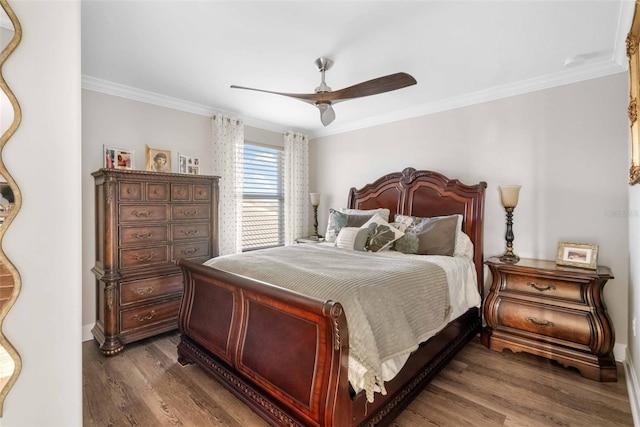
86 332
632 388
620 352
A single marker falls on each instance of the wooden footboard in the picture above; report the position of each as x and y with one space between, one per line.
284 354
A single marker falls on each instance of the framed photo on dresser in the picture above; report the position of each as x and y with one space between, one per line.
117 158
188 165
581 255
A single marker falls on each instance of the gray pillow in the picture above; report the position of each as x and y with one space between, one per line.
428 236
337 220
437 236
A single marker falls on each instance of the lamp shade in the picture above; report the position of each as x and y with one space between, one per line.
509 195
315 199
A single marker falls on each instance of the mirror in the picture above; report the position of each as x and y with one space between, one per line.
634 95
10 363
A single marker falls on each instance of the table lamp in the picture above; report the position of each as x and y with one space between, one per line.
509 199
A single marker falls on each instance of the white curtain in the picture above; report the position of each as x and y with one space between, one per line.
228 147
296 187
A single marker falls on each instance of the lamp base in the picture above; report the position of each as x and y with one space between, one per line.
509 258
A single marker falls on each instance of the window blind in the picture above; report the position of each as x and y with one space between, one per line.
263 197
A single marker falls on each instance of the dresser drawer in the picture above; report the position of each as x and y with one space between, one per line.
157 192
150 234
146 289
130 191
201 193
544 287
190 211
190 231
141 257
129 213
191 250
181 192
545 320
149 315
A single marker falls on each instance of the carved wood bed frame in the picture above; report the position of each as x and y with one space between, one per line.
239 330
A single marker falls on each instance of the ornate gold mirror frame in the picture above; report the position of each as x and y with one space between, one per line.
10 202
634 95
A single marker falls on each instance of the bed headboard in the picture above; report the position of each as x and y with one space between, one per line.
425 194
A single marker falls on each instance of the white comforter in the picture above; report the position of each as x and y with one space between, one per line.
327 272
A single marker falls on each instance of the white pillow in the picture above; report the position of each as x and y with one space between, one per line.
464 245
381 234
353 238
384 212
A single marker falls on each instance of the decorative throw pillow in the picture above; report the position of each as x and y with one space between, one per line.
353 238
436 235
411 224
337 220
381 234
384 212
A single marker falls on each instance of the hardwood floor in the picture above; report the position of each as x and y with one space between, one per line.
145 386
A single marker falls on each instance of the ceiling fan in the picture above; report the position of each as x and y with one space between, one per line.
324 97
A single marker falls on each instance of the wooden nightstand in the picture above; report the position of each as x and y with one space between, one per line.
557 312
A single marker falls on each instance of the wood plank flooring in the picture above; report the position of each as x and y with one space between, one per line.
145 386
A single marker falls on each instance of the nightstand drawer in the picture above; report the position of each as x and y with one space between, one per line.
543 287
146 289
545 320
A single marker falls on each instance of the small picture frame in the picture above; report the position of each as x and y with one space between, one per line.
117 158
580 255
157 160
188 165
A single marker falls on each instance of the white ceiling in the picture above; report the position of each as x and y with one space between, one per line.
186 54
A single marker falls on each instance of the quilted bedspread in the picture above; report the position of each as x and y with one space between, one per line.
392 304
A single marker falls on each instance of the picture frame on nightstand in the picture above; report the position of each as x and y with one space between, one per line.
581 255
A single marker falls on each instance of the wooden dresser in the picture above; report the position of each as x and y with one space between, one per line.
557 312
144 222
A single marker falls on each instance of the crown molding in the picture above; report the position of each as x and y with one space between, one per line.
598 69
594 70
134 94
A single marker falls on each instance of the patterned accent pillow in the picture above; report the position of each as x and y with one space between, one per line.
353 238
381 234
337 220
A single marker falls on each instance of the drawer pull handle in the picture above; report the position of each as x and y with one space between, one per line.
142 235
190 232
143 258
189 251
544 324
145 318
538 288
191 213
142 214
142 291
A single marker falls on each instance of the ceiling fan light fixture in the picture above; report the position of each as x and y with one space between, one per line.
327 115
324 96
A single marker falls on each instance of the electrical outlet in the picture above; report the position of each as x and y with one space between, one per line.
633 326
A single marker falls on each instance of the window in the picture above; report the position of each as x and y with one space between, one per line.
263 197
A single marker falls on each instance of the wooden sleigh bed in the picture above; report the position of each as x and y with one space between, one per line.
238 329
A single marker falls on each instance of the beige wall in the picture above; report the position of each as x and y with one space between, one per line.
566 146
44 241
118 122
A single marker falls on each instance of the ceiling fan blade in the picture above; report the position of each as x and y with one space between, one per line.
372 87
327 115
307 97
